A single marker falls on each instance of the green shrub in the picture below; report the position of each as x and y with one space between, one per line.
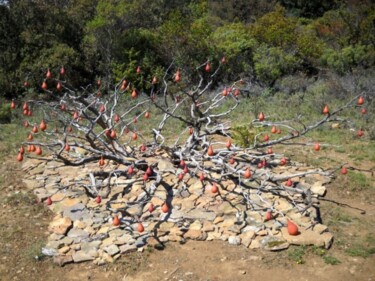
344 60
5 114
271 63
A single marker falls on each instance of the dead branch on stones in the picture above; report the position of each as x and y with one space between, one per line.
111 138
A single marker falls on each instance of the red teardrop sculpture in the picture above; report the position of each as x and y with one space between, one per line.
292 228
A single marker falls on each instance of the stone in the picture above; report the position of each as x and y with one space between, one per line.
196 187
89 229
64 250
112 250
213 236
41 193
81 256
165 165
327 237
57 197
218 220
208 226
195 235
236 228
99 261
33 184
227 209
55 244
164 228
176 231
253 218
187 204
68 202
318 188
175 238
228 222
203 201
60 226
283 205
124 239
247 237
79 224
320 228
262 232
103 230
234 240
90 246
305 237
116 232
67 241
76 247
76 212
141 241
196 225
37 170
135 210
49 172
54 237
78 234
49 251
255 243
68 171
62 260
109 241
273 243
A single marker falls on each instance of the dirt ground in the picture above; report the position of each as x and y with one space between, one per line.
23 231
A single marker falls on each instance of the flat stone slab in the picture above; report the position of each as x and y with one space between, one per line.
307 237
112 249
273 243
60 226
81 256
78 234
76 212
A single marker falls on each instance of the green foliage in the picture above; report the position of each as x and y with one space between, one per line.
310 46
271 63
34 251
364 249
185 39
326 258
5 113
359 181
296 254
275 29
232 39
10 137
349 57
331 260
108 38
244 136
9 52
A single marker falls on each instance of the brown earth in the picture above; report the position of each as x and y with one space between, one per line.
23 231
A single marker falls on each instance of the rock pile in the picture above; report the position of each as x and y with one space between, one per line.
83 229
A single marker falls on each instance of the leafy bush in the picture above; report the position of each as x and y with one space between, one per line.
271 63
5 114
347 58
